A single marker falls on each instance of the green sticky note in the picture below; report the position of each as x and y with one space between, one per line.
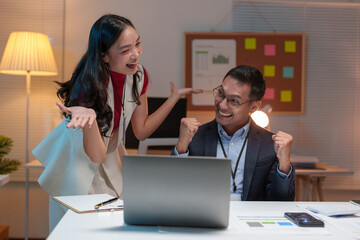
288 72
269 70
250 43
286 96
290 46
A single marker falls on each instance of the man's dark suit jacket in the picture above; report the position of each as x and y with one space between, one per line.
261 179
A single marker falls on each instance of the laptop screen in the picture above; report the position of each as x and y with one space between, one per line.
176 191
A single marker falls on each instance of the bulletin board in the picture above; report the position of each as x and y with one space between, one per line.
279 56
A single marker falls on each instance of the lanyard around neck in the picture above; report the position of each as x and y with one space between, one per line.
233 173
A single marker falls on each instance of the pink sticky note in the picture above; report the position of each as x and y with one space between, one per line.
269 50
269 93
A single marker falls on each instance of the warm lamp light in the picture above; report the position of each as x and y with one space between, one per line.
28 53
261 117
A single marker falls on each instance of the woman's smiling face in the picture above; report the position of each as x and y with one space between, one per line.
123 56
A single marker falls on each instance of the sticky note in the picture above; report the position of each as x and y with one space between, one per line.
269 70
290 46
269 50
250 43
286 96
269 94
288 72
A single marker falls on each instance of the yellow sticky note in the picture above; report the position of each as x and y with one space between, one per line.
269 70
250 43
286 96
290 46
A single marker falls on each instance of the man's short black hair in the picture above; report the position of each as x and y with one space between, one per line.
251 75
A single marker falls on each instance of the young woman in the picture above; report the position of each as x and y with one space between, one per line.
106 91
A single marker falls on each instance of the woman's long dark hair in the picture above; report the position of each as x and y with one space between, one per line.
88 84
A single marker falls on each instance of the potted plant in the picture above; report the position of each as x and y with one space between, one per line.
7 165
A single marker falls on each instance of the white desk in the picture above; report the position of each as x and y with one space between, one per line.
110 225
4 179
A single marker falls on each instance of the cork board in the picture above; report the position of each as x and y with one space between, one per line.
279 56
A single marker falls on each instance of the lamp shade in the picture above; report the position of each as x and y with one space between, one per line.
28 52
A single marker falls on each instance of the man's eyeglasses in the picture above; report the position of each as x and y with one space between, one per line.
233 101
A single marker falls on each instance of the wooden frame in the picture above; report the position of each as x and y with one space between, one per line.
279 56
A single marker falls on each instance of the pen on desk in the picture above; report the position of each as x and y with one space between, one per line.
97 206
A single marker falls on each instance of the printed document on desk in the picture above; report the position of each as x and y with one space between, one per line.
339 214
272 223
86 203
335 209
349 224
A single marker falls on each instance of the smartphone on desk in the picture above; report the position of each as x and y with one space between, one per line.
303 219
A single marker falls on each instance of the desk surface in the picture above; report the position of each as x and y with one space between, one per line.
322 169
4 179
110 225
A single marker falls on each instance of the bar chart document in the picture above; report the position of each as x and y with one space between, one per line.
211 60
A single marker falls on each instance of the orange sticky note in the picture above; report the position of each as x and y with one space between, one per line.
269 70
250 43
286 96
290 46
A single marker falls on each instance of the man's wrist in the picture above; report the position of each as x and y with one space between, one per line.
176 153
284 168
284 175
181 148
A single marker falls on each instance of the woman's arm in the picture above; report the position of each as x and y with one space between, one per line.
144 125
85 118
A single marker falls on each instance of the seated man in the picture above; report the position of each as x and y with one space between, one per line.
261 168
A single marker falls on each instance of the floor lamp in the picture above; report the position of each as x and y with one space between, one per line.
30 54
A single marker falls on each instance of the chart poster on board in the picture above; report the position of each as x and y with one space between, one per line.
212 58
279 57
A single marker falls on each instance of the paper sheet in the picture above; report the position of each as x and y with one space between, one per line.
349 224
274 224
86 203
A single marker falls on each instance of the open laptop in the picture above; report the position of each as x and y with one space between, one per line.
176 191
